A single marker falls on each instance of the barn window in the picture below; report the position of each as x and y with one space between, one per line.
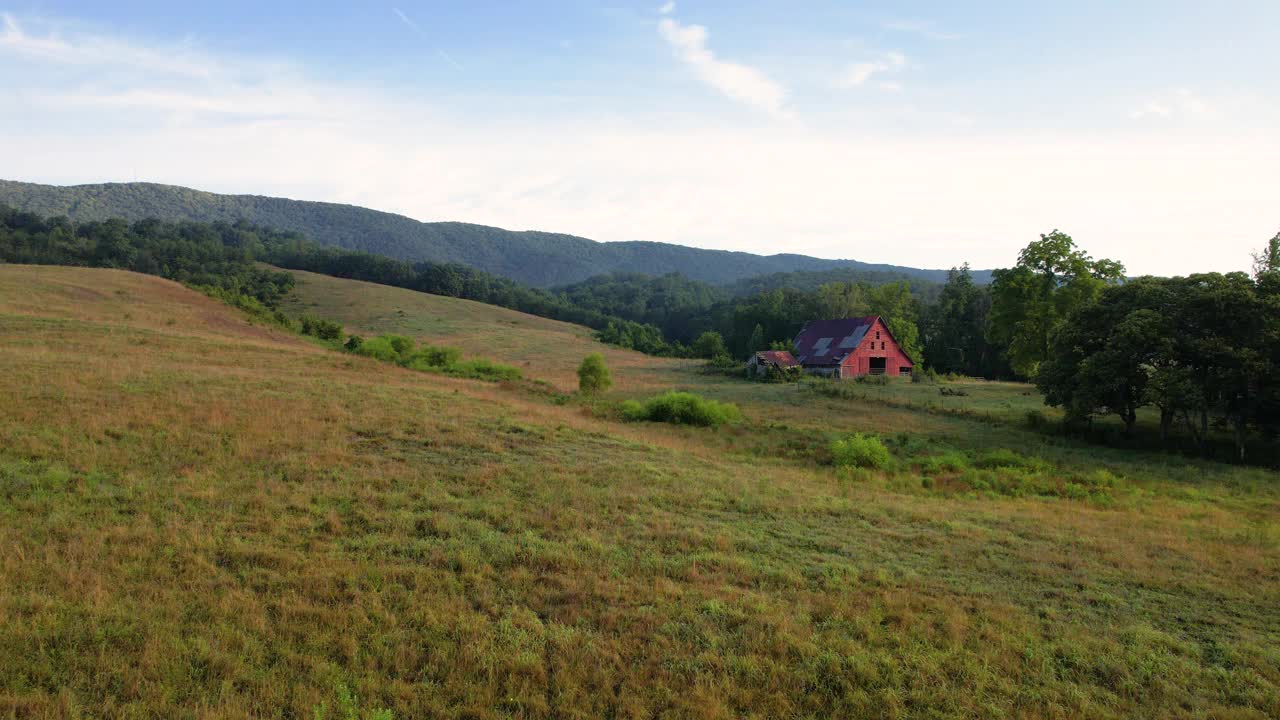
904 370
877 334
882 345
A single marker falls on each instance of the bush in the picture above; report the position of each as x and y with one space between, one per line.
321 328
872 379
483 370
380 348
353 343
432 356
1003 458
953 392
860 450
681 408
402 345
928 375
593 375
784 375
947 462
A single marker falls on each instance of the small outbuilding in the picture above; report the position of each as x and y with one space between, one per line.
851 347
760 363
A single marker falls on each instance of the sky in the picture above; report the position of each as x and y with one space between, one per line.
915 133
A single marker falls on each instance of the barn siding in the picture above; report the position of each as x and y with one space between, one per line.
858 363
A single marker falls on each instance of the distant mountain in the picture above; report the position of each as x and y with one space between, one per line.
540 259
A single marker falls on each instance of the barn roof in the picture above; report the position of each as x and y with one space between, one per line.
781 358
828 342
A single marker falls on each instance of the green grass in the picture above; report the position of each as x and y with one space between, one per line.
202 517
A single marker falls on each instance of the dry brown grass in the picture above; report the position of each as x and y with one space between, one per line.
204 518
545 349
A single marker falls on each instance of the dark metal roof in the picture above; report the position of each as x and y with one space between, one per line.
781 358
829 342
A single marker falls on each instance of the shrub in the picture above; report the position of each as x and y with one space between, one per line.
953 392
593 375
860 451
402 345
1004 458
928 375
681 408
483 370
947 462
380 348
433 356
784 375
873 379
353 343
321 328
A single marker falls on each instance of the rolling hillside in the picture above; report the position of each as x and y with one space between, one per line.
545 349
540 259
203 517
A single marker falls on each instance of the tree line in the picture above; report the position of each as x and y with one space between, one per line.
1202 351
225 257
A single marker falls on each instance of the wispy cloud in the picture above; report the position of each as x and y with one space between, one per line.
94 51
79 105
918 27
859 73
742 83
667 8
422 33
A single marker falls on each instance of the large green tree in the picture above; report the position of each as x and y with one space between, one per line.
900 311
1030 301
1104 354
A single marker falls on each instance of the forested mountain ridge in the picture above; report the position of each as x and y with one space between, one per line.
541 259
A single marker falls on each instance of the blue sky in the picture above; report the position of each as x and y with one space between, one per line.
921 133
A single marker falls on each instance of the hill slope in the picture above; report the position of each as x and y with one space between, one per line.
541 259
205 518
545 349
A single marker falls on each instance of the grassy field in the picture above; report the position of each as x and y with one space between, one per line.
205 518
545 349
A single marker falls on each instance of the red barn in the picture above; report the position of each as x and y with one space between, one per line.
851 347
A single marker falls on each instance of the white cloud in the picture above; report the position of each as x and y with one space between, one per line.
742 83
667 8
1151 198
859 73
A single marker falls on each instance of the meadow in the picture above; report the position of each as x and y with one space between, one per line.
204 517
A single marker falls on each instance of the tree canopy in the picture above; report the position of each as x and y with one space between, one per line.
1030 301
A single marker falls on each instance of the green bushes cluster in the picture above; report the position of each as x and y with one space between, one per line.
681 408
858 450
939 467
1004 458
320 328
402 351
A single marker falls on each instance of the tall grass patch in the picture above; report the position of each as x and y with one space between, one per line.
681 408
402 351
